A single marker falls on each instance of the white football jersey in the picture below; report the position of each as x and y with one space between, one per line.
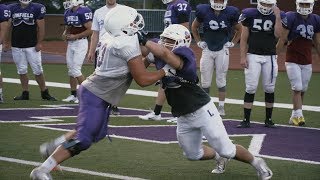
114 55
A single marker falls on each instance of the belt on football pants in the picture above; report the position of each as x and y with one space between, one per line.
78 39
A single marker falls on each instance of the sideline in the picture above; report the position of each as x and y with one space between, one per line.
154 94
71 169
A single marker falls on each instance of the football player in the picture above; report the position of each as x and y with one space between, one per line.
4 24
301 31
96 38
178 12
119 61
78 20
197 115
27 19
218 21
261 28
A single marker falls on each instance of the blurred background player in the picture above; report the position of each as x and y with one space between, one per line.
119 62
96 38
218 21
78 20
197 115
178 12
27 34
301 30
4 24
261 28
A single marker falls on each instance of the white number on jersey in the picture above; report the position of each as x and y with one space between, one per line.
306 31
260 25
214 25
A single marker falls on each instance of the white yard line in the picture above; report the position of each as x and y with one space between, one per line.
154 94
71 169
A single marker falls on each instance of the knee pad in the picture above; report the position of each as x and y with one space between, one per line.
269 97
228 153
75 146
222 89
248 98
38 71
74 72
193 156
297 88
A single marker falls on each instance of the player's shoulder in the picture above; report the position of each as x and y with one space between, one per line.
84 8
203 7
232 9
3 6
36 5
184 52
250 12
13 5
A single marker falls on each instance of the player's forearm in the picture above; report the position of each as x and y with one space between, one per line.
41 30
94 41
195 31
278 27
84 34
4 30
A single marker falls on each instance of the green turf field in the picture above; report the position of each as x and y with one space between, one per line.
126 158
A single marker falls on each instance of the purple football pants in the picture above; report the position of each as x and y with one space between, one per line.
92 120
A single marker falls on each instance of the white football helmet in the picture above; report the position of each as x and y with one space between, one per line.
304 10
166 1
25 1
218 6
179 33
123 20
266 10
71 3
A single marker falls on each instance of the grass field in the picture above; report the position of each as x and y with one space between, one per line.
128 158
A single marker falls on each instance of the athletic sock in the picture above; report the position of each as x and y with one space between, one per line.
49 164
269 113
59 140
74 93
247 113
157 109
221 103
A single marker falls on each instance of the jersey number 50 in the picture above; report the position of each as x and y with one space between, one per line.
260 25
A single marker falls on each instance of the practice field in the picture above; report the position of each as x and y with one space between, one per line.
148 149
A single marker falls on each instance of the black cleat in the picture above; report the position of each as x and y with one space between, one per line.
269 124
46 96
23 96
244 124
115 110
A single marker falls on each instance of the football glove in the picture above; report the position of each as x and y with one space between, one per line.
202 44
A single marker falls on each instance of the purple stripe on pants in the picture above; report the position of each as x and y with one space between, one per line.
92 120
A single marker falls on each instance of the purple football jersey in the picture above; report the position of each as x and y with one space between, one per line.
4 13
79 17
177 12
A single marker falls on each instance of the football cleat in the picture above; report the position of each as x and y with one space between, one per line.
268 123
71 98
172 120
220 166
294 121
151 116
244 124
301 121
221 110
23 96
115 111
263 171
40 174
46 96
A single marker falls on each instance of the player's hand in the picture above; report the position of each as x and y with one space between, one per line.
5 47
71 37
169 71
142 36
90 57
202 44
244 63
229 44
276 10
38 47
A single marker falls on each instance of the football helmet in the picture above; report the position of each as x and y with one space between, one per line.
304 10
25 1
71 3
218 6
178 33
166 1
266 10
123 20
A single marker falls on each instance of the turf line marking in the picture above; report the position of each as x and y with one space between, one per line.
154 94
71 169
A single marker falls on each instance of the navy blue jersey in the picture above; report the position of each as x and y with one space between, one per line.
183 93
262 40
301 34
4 13
177 12
24 24
217 28
75 20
